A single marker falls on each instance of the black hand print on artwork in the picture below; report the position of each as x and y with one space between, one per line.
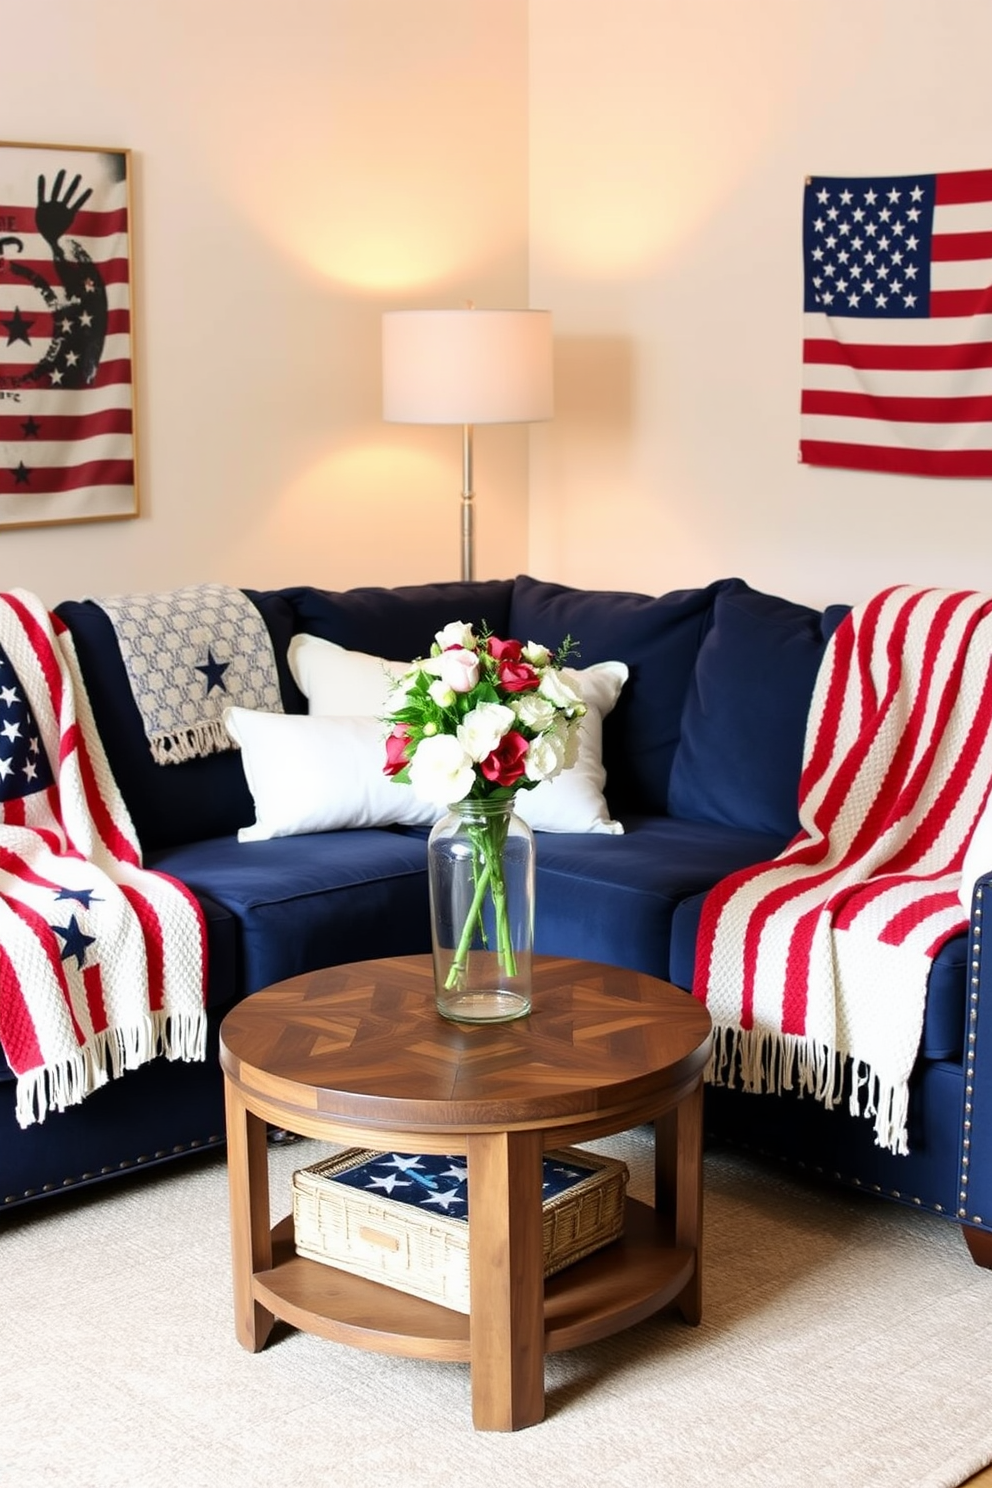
55 217
80 312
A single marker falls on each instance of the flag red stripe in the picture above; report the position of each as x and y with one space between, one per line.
17 1036
111 270
13 863
15 375
956 188
46 479
93 987
977 463
41 324
62 426
154 948
960 302
116 841
898 358
40 644
40 927
824 743
85 224
958 247
977 410
902 925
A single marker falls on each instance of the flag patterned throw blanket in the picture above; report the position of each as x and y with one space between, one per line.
102 962
820 958
189 654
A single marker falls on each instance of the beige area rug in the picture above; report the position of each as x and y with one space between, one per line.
845 1342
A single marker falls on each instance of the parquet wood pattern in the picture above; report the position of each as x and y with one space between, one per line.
368 1035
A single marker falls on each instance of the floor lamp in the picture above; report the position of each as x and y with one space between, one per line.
466 367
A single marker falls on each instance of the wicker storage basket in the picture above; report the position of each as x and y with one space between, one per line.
345 1214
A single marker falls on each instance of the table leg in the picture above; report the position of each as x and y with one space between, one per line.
251 1233
506 1274
678 1146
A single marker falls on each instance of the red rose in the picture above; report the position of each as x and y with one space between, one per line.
518 676
504 650
506 763
396 747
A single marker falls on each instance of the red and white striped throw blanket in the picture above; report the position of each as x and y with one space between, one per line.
102 962
821 957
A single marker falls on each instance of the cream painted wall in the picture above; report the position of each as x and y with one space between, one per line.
298 167
668 146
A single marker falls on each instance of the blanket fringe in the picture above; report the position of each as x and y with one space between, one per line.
760 1060
206 737
108 1055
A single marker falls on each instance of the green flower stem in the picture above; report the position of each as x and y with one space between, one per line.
488 842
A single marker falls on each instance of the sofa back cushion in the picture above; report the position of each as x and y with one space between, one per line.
744 723
658 638
175 803
399 624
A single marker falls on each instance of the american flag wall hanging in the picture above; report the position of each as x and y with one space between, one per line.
897 335
67 438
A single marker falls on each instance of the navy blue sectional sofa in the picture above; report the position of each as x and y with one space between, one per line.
702 753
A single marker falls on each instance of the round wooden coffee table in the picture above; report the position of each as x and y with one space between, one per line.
358 1054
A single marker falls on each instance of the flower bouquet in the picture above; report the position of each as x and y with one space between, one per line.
472 724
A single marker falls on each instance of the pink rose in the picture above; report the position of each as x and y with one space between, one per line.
505 765
396 747
459 669
518 676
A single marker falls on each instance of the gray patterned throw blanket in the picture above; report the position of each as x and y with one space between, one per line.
190 653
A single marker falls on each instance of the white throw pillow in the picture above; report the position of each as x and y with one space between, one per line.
311 774
977 857
573 801
341 683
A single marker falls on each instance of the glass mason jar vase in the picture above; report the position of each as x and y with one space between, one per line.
481 873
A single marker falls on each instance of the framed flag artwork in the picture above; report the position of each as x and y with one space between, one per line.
67 432
897 339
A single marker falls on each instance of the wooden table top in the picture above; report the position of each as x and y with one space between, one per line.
365 1042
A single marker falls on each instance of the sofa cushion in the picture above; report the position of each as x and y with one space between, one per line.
612 898
311 901
744 722
172 803
658 639
944 1016
399 623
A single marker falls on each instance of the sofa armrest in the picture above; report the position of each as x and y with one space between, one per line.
975 1186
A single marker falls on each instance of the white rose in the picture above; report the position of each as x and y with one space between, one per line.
441 771
538 656
441 693
573 733
482 728
558 691
545 758
533 711
456 634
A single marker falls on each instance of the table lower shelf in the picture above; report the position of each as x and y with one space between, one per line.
613 1288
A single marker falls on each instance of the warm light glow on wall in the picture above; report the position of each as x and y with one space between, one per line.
636 133
387 497
396 156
